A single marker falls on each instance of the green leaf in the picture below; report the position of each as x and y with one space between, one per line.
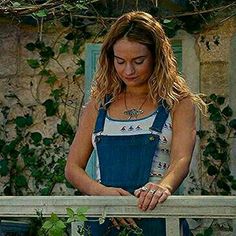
57 93
227 111
45 72
39 44
216 117
2 143
80 218
232 123
47 225
221 129
47 141
213 97
36 137
51 107
226 187
30 46
208 232
233 185
65 128
64 48
60 224
81 7
51 79
29 120
16 4
45 191
70 36
212 170
82 210
210 149
33 63
20 121
223 156
4 170
41 13
220 184
54 217
70 212
212 108
220 100
47 52
21 181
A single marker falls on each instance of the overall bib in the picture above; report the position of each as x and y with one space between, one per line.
125 162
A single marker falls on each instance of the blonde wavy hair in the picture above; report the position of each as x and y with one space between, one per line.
164 83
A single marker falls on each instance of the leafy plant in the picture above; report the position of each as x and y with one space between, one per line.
216 178
216 148
31 160
54 226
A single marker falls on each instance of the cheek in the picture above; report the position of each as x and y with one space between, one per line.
118 68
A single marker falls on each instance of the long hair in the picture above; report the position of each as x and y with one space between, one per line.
164 83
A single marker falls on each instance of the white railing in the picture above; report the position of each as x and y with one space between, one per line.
174 208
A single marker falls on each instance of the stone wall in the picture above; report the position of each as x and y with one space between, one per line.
208 63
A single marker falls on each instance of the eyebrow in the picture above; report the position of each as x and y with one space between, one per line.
133 58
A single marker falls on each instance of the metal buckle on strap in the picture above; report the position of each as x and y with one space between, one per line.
155 132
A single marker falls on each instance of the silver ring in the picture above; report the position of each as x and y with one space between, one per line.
144 189
152 191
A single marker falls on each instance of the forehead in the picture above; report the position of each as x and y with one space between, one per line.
124 47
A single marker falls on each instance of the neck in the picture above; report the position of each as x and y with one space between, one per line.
137 91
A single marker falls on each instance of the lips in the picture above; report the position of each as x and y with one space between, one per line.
130 78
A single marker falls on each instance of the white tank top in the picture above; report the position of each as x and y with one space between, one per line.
161 159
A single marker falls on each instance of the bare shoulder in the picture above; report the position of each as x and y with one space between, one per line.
184 107
89 114
184 112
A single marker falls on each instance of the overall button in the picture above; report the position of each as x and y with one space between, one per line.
151 138
97 139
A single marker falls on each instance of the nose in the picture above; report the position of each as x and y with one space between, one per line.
129 69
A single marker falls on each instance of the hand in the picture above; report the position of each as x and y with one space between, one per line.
150 195
112 191
128 222
118 222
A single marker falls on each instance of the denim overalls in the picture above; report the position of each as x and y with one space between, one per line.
125 162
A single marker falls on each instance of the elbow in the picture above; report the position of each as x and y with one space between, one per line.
67 172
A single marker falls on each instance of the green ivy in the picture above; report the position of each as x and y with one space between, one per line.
215 152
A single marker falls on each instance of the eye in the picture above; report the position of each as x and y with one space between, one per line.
119 61
139 61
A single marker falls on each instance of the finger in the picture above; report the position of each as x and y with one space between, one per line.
137 192
131 222
164 196
122 221
115 223
142 195
123 192
155 199
147 200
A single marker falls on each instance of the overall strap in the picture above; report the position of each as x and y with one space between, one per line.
161 117
102 115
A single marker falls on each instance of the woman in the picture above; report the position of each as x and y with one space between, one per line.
140 120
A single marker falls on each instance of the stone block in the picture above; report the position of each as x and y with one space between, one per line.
214 78
9 35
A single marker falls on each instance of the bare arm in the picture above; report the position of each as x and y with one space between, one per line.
79 154
182 145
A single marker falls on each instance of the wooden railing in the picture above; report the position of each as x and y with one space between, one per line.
174 208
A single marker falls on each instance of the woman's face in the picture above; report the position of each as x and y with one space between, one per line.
133 62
